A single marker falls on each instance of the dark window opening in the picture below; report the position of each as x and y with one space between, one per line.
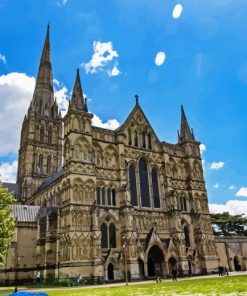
149 141
136 139
104 236
155 184
103 195
98 195
129 136
132 180
109 196
187 238
144 183
50 136
113 192
40 166
48 168
143 140
112 235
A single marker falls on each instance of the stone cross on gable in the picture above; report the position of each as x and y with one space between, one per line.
137 98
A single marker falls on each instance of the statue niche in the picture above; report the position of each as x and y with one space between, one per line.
110 157
83 150
98 155
197 170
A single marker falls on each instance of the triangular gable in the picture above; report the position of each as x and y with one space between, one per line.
134 115
152 237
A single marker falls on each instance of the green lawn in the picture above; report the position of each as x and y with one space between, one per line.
236 285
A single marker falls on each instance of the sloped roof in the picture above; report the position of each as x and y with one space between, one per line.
50 180
24 213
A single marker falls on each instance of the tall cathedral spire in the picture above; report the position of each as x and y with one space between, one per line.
77 101
44 77
186 133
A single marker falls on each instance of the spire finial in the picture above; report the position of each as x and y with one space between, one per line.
77 100
137 99
185 134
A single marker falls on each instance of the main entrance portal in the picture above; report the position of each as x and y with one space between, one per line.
155 262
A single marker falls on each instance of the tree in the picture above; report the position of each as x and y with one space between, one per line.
225 224
7 222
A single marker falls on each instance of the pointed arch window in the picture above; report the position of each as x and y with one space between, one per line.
129 136
143 140
50 135
112 236
132 181
109 196
104 236
98 195
183 204
136 139
149 141
155 183
113 193
103 195
48 168
144 183
40 166
42 134
187 237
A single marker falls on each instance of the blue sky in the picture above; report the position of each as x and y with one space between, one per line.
205 69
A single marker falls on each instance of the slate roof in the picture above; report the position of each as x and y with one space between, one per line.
24 213
12 188
50 180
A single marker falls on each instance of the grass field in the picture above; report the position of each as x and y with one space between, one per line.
236 285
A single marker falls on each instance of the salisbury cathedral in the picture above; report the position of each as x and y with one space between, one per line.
90 200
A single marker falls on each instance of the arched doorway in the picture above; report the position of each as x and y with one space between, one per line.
237 264
172 262
141 268
155 261
110 272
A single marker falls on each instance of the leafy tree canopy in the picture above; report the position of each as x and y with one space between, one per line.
7 221
225 224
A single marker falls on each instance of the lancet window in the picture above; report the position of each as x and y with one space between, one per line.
108 236
106 196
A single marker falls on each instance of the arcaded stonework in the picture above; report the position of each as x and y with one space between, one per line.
114 187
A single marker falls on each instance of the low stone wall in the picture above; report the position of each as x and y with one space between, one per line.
232 252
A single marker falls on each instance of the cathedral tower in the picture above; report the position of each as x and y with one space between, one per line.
40 153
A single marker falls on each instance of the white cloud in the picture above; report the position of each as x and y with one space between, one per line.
202 148
160 58
61 94
3 58
114 71
16 91
177 10
61 3
103 58
242 192
109 124
232 187
217 165
217 185
234 207
8 171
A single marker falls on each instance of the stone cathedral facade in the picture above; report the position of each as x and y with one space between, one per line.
86 191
